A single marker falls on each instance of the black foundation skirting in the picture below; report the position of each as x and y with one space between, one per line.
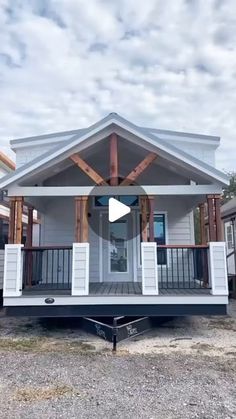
118 310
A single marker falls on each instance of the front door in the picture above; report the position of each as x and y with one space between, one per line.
117 250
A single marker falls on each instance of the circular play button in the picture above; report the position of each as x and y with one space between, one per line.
114 212
117 210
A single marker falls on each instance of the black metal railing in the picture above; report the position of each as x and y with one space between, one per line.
182 267
47 267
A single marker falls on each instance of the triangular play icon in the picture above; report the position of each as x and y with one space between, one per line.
116 210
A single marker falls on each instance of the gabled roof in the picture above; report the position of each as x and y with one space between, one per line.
114 122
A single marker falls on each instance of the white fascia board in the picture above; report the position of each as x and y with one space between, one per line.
114 190
184 137
130 128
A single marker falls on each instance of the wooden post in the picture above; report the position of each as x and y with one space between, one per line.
113 160
219 229
202 223
84 218
81 219
78 219
211 218
19 211
143 202
11 226
29 235
151 218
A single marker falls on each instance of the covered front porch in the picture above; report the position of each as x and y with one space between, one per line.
151 254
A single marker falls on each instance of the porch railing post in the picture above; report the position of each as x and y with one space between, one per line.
149 268
218 268
80 269
12 281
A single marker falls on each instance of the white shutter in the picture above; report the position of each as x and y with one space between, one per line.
80 269
218 268
149 269
12 281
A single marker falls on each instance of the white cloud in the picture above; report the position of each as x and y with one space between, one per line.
169 64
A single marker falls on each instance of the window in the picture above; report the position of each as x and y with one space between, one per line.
159 236
130 200
229 237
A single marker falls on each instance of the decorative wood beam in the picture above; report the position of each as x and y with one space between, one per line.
113 160
88 170
11 225
84 216
18 227
29 236
78 219
211 218
143 202
132 176
151 218
219 229
202 223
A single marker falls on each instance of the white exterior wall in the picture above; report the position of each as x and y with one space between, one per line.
200 151
26 154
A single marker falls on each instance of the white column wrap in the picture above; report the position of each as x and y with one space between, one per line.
149 268
218 268
12 281
80 269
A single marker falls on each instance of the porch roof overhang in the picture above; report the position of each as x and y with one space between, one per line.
115 123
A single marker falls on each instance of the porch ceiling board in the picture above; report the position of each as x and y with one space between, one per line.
113 190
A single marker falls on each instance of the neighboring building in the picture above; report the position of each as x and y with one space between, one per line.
228 214
144 263
7 166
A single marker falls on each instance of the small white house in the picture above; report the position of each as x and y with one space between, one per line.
143 263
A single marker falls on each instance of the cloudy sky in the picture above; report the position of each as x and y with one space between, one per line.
168 64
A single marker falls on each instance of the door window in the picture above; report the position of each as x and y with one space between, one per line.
118 248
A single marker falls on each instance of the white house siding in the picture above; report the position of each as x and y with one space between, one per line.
200 151
27 154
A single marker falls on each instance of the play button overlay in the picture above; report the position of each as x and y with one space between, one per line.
114 213
117 210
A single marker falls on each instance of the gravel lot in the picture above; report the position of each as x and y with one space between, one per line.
185 368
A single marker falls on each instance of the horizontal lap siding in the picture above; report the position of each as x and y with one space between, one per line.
58 222
58 228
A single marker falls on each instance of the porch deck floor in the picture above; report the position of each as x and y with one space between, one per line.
113 288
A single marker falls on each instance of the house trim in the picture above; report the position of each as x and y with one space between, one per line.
114 190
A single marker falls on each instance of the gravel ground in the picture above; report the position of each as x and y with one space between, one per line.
184 368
